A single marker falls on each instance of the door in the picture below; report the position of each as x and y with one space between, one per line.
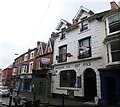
90 90
111 89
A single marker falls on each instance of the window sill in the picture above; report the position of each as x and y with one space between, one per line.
113 33
113 63
68 88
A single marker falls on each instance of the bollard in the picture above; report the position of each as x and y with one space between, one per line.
34 96
10 101
63 99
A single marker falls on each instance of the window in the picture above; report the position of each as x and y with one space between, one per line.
114 23
68 78
84 25
84 48
62 35
113 51
63 53
24 68
25 57
30 67
31 55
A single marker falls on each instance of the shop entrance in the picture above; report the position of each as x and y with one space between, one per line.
111 89
90 90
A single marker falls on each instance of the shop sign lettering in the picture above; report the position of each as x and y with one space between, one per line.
74 65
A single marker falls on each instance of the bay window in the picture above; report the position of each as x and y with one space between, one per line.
113 51
114 23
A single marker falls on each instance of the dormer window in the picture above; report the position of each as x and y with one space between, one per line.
84 25
113 23
63 33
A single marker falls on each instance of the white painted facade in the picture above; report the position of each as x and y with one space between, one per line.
96 32
0 76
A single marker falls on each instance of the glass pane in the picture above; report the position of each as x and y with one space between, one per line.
113 19
115 45
86 42
116 56
114 27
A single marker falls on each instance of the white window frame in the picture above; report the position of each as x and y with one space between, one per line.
81 26
32 55
24 69
25 57
107 25
109 54
30 67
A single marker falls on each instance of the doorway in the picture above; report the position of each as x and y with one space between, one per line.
90 90
111 89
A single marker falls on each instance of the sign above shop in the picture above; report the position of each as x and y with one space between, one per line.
74 65
45 61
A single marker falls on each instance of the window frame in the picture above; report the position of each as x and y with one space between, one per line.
60 55
114 23
84 26
32 55
110 52
81 56
68 78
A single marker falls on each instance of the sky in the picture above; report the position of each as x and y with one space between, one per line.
24 22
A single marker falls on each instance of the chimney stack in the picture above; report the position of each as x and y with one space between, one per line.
114 5
74 21
29 50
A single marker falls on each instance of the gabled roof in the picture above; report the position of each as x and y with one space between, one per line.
62 21
80 11
49 46
41 48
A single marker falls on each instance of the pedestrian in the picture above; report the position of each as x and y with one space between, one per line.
11 90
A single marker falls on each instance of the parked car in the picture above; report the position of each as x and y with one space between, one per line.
4 91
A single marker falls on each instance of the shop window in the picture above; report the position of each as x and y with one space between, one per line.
114 23
84 48
113 51
63 53
68 78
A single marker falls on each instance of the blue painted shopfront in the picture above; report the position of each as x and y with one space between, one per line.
110 86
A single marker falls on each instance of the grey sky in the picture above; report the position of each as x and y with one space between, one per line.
24 22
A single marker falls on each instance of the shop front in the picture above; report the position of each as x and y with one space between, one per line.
110 86
78 79
25 83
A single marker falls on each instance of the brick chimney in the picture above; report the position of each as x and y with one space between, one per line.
114 5
29 50
74 21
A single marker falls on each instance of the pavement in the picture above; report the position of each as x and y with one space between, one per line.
57 102
53 102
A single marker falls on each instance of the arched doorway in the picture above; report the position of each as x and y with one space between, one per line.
90 90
